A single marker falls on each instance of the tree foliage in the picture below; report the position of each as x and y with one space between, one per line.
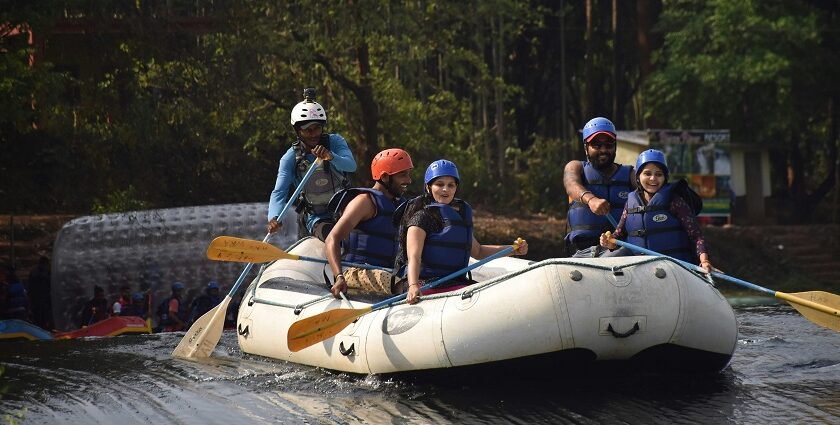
171 103
764 70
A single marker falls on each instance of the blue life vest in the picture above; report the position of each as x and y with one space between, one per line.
163 311
448 250
582 221
203 304
373 241
17 305
654 227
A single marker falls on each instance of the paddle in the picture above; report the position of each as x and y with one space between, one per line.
229 248
204 334
822 308
312 330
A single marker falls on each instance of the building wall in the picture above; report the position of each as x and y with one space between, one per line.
627 153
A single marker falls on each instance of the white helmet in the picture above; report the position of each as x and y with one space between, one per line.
308 110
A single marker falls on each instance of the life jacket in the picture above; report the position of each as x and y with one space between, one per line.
449 249
654 227
135 310
95 310
202 305
325 181
582 221
373 241
17 305
163 311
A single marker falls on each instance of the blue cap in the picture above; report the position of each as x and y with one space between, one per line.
177 286
597 125
137 296
212 285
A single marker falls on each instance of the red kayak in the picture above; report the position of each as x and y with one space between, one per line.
112 326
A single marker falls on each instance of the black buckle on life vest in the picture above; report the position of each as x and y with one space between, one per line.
639 233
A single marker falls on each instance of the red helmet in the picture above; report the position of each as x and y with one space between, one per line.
390 162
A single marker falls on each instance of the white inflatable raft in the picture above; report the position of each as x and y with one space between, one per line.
557 313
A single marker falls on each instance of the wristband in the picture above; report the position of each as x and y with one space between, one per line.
340 275
580 198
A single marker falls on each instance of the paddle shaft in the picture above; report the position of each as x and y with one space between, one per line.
204 334
298 189
694 267
231 248
279 217
390 301
317 328
345 263
783 295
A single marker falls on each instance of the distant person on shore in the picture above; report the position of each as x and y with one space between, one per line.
436 234
308 120
171 312
122 301
40 294
137 307
660 216
596 187
17 300
96 309
4 297
366 226
205 302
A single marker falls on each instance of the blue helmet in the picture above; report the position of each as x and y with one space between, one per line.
596 126
440 168
212 285
648 156
177 286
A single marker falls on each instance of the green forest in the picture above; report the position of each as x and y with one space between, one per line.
123 105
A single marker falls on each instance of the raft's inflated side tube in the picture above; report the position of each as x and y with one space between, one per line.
150 250
623 308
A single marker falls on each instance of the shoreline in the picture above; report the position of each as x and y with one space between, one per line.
784 257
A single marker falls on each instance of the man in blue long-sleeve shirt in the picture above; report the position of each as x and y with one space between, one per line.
308 120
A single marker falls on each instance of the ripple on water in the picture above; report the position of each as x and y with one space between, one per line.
784 369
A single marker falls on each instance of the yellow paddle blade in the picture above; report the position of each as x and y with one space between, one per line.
312 330
822 308
229 248
204 334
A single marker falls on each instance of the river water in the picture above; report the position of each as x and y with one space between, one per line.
785 370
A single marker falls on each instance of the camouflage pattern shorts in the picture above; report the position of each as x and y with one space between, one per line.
364 280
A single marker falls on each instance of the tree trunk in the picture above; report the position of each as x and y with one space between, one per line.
498 97
617 117
589 66
646 15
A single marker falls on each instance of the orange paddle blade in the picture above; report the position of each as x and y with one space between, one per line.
229 248
822 308
312 330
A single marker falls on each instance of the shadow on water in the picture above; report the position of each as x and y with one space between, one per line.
784 370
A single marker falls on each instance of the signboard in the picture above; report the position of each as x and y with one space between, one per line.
702 158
